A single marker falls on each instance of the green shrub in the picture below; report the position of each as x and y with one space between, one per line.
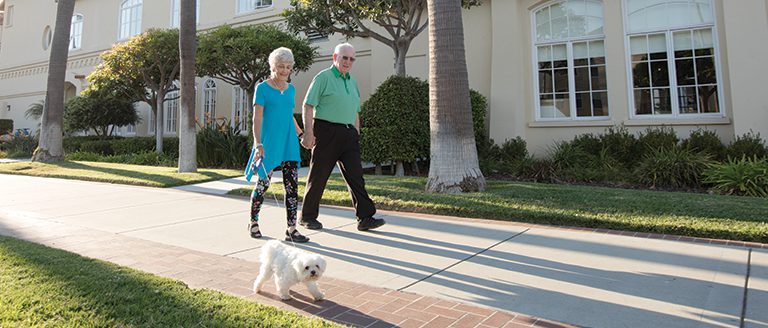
654 138
674 167
18 147
589 143
748 145
6 126
221 146
706 142
84 156
532 169
621 145
513 150
102 147
745 176
144 158
135 145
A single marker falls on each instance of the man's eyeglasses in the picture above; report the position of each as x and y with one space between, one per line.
352 59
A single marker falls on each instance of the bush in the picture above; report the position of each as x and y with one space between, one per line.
101 147
19 147
657 138
135 145
514 150
6 126
84 156
144 158
748 145
674 167
706 142
221 146
589 143
621 145
745 176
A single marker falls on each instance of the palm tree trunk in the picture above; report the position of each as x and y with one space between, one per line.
187 49
50 147
453 165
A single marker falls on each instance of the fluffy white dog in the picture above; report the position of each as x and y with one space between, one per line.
290 266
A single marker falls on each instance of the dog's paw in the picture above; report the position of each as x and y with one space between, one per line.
318 297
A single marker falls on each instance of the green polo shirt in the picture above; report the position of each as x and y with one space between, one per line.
335 97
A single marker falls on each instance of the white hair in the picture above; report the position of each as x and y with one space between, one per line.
281 54
342 46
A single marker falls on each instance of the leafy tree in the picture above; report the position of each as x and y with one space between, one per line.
142 69
187 49
394 23
454 166
50 147
239 55
99 111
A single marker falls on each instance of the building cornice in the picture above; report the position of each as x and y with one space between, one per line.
89 59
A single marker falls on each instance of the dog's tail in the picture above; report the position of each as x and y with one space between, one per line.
269 249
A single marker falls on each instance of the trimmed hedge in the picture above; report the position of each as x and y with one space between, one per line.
6 126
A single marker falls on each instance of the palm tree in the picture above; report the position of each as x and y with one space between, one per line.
453 165
35 111
50 147
187 49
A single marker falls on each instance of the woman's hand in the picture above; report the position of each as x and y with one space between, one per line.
259 150
308 140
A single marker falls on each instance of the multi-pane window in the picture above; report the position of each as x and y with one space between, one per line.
171 107
570 60
244 6
9 16
176 12
209 103
151 122
130 18
76 32
240 108
672 58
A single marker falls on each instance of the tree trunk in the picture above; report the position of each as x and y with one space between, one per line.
50 147
401 50
453 164
378 170
187 49
159 121
399 169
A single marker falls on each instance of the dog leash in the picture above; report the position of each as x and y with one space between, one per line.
261 164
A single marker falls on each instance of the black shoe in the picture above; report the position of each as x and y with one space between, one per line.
253 228
295 237
369 223
311 224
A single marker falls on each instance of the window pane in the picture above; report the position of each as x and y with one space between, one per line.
661 101
600 103
561 80
580 54
583 104
702 12
581 78
597 52
659 74
563 104
598 78
679 14
640 76
705 69
703 43
559 28
546 82
687 100
643 102
638 46
683 44
685 72
544 54
657 46
560 56
547 106
708 99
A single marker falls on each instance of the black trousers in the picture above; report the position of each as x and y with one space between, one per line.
334 143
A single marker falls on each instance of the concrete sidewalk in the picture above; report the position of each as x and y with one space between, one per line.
418 270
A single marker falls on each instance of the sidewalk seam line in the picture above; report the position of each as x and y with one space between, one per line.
461 261
746 289
175 223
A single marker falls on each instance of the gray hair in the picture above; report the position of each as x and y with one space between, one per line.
281 54
342 46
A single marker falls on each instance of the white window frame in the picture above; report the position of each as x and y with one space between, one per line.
176 13
671 68
568 42
129 19
209 102
9 16
76 32
248 6
171 112
240 103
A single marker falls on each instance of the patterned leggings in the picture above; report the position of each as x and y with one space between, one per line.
290 183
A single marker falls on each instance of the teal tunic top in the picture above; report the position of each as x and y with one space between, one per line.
335 97
278 132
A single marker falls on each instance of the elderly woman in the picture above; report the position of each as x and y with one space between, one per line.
275 141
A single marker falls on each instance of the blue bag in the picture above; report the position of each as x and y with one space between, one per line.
253 164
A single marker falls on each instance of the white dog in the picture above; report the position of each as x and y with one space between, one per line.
290 266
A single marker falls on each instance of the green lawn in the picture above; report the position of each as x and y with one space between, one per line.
142 175
46 287
678 213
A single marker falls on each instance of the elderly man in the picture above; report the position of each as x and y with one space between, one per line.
332 132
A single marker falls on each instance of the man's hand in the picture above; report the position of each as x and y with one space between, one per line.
308 141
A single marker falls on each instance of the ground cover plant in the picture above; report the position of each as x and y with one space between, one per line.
46 287
142 175
677 213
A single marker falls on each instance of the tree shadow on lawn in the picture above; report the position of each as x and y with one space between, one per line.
70 290
147 179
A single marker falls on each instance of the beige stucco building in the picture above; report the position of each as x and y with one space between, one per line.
550 69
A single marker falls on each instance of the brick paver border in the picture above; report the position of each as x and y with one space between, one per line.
346 302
